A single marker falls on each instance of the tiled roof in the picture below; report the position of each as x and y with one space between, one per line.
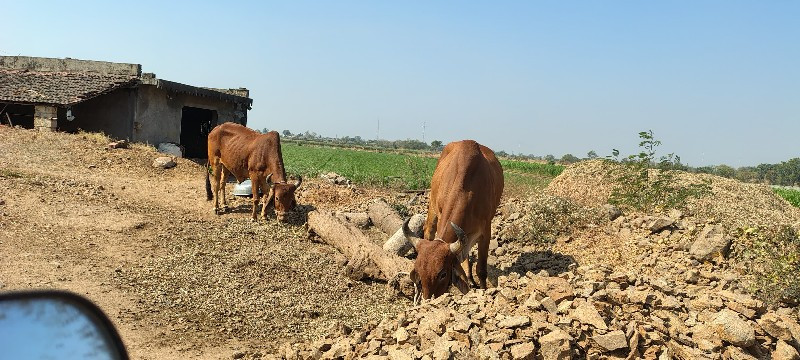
58 88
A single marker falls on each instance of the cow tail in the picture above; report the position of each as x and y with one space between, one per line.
209 194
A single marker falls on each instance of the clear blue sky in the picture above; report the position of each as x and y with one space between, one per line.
717 81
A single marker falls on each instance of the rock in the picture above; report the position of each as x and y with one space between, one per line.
401 335
658 224
709 243
514 322
775 326
734 353
554 287
335 178
675 214
171 149
399 354
524 351
555 345
784 351
164 162
731 328
706 338
442 349
122 144
586 313
549 304
397 243
692 276
612 211
612 341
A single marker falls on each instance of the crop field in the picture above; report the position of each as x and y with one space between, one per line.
791 195
400 170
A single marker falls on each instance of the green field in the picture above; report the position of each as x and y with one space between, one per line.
400 170
791 195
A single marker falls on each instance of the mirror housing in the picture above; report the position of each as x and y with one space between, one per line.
56 324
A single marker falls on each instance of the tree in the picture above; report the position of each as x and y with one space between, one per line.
569 159
287 133
437 145
724 171
264 130
501 153
550 158
591 155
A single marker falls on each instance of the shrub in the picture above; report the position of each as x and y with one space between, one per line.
639 187
771 259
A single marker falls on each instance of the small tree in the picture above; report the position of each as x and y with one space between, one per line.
287 133
437 145
640 188
591 155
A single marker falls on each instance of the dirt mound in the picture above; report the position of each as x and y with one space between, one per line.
731 202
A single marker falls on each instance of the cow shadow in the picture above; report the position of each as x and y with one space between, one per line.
534 261
243 205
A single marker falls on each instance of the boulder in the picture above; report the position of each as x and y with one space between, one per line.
731 328
709 243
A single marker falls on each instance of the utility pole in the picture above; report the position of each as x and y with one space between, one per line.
423 131
378 134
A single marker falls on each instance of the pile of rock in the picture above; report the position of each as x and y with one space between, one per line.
586 312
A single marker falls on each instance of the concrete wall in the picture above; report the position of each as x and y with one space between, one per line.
158 113
68 65
112 113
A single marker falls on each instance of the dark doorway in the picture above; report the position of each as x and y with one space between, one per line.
196 123
17 115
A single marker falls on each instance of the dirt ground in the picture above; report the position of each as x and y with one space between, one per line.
144 244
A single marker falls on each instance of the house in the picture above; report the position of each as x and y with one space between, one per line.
116 99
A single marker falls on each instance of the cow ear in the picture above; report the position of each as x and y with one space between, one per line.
414 276
460 279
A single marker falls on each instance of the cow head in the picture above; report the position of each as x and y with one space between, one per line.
284 197
437 265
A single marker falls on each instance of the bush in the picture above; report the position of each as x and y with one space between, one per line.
771 258
546 217
638 187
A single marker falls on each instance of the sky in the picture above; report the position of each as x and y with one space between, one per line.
718 82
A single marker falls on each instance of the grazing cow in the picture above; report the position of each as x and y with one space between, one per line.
465 192
244 153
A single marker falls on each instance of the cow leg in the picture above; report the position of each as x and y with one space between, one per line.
483 253
216 169
256 183
264 187
223 177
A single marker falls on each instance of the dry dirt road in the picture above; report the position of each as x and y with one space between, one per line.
143 243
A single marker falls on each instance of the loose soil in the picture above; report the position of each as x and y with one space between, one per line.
144 244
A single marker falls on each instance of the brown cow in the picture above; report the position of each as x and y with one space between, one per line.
465 192
235 149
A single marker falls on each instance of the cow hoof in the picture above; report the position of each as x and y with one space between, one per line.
217 211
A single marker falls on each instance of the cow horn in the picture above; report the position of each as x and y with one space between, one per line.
299 181
412 238
268 179
455 247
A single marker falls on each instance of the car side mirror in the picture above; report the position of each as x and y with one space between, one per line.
56 325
